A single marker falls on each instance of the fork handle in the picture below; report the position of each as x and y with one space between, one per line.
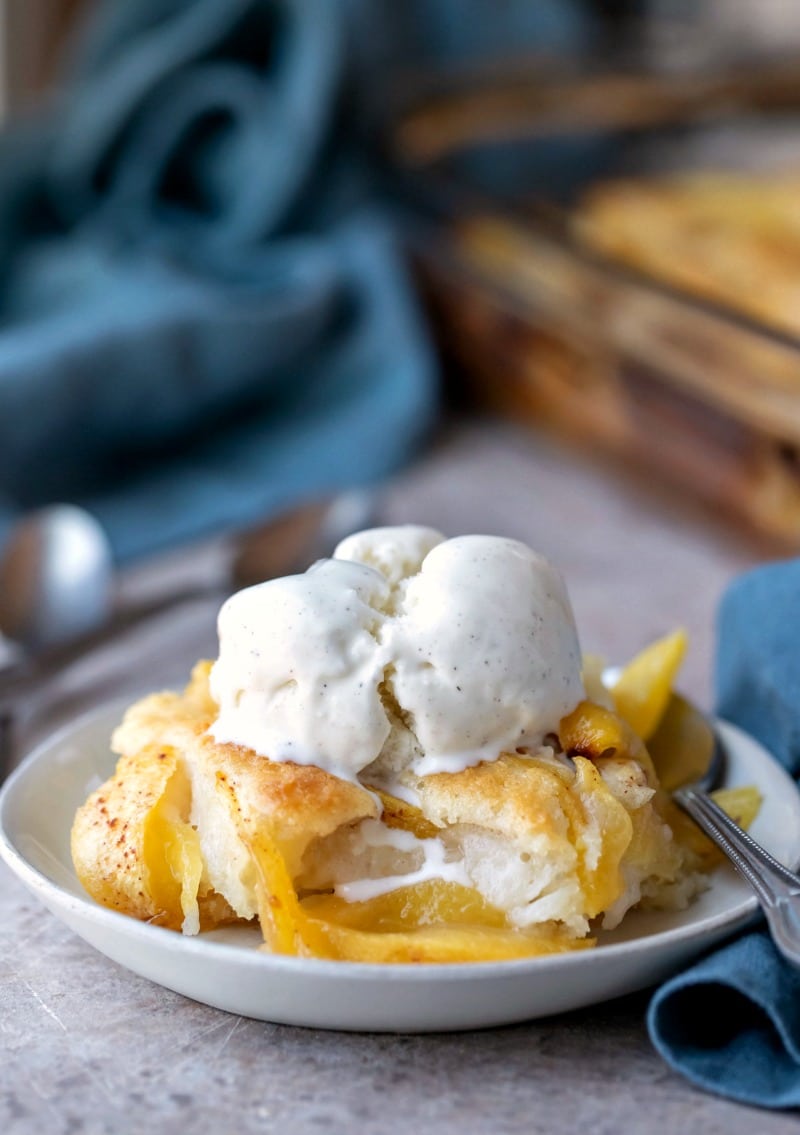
777 888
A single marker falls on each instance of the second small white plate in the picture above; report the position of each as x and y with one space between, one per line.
224 968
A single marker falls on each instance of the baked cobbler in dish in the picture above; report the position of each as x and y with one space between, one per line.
398 756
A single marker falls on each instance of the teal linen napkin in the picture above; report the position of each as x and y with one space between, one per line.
731 1024
184 346
203 314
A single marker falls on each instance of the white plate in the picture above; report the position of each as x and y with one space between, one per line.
225 970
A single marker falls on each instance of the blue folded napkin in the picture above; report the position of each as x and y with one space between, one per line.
203 313
731 1023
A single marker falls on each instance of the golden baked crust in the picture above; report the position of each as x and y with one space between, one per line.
168 762
733 238
192 834
110 831
545 809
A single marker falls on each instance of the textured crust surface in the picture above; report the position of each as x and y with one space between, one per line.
108 834
297 802
166 753
567 820
513 796
712 234
193 833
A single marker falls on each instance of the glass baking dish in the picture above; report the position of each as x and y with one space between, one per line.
573 335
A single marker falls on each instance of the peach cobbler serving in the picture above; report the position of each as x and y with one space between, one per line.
398 756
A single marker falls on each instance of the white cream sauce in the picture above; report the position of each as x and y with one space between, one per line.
435 864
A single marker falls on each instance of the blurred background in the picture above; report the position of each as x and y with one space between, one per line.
256 252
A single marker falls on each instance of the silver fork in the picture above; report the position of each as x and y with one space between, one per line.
777 888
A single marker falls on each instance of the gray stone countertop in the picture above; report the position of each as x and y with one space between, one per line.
86 1046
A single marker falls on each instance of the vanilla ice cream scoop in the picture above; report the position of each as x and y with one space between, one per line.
299 668
468 646
397 552
485 652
